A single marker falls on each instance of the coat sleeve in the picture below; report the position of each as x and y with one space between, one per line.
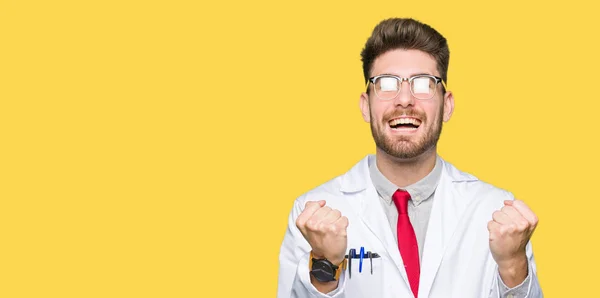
294 276
530 288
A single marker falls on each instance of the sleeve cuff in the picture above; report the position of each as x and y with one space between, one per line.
519 291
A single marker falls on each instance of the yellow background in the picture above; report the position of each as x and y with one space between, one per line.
154 148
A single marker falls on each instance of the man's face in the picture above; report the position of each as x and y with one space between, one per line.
405 127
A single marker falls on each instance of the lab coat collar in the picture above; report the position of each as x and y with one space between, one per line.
357 179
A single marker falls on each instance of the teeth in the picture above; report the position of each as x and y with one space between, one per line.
412 121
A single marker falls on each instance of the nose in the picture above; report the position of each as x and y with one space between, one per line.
404 97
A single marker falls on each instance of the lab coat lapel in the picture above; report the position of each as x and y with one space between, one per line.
447 209
375 219
358 181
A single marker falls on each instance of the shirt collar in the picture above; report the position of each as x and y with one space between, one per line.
419 191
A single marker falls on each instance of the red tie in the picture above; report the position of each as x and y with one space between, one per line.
407 241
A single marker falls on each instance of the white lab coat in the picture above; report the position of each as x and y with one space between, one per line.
456 260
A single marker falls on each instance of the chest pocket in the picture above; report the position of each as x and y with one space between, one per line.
363 283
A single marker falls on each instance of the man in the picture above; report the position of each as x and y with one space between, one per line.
410 223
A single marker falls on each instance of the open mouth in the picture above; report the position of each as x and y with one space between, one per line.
404 124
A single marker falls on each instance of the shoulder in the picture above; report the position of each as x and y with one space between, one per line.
472 189
327 189
354 180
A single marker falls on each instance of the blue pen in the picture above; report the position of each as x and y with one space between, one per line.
362 255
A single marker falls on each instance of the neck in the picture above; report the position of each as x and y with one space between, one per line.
404 172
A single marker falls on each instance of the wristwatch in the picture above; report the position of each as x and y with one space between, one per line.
324 271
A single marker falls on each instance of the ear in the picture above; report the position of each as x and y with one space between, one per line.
448 105
364 107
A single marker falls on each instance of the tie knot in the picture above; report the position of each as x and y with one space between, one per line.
401 198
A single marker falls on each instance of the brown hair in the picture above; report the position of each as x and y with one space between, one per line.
407 34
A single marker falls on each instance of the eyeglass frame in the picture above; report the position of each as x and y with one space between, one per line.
409 80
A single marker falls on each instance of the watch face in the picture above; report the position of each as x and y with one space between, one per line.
322 265
322 271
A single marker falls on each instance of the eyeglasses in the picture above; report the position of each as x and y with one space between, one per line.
421 86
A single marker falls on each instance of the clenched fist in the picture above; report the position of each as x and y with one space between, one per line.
510 229
325 230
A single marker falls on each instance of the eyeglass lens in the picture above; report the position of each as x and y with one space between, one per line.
389 87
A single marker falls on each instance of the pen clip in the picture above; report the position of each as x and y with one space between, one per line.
362 255
351 254
371 260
